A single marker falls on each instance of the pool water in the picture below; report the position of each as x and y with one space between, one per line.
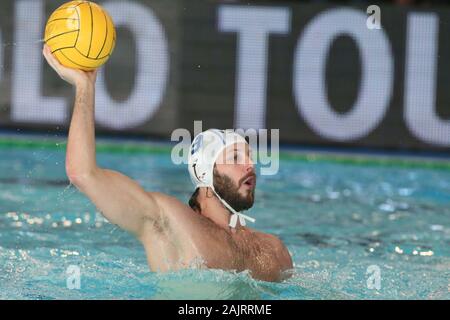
339 221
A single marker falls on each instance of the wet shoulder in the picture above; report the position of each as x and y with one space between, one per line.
269 252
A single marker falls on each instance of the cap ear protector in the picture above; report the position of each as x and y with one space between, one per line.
203 154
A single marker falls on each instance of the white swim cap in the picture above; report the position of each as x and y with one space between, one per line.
203 154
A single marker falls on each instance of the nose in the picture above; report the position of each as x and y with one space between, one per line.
250 166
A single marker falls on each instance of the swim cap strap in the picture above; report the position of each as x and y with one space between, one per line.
242 217
235 215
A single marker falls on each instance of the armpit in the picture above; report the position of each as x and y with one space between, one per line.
159 224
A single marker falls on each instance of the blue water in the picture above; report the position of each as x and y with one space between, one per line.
336 220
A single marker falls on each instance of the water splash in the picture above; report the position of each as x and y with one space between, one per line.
12 44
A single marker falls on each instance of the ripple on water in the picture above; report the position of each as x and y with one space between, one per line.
337 220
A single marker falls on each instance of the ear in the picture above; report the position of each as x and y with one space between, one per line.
209 192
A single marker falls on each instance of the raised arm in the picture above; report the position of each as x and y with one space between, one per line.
120 199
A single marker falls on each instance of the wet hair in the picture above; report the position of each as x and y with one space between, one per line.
193 202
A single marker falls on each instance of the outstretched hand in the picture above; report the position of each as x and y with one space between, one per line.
73 76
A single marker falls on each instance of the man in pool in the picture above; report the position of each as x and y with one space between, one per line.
211 230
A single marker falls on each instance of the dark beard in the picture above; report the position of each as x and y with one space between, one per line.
228 191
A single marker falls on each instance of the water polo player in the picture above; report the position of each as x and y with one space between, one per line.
211 232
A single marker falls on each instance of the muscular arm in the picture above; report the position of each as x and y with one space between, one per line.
120 199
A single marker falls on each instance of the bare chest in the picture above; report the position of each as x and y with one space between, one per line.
257 254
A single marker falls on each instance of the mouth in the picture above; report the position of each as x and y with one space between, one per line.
250 181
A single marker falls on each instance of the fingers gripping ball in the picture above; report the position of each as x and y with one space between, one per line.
81 35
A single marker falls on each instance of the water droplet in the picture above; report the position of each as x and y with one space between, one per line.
426 253
436 227
386 207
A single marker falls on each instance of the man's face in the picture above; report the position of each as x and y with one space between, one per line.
235 178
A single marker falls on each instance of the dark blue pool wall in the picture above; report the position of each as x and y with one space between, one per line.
324 74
